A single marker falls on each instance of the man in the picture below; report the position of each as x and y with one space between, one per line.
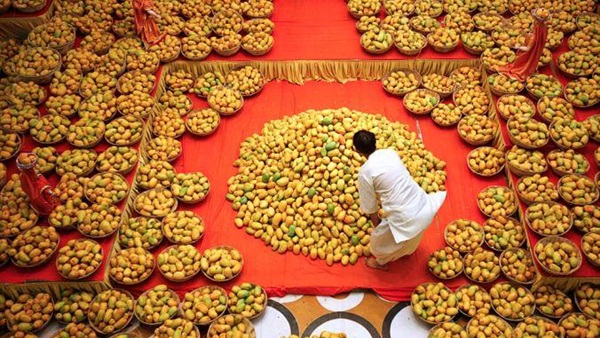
407 209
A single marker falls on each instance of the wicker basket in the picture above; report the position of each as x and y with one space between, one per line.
499 92
502 320
442 49
517 142
39 79
526 252
551 239
199 58
228 52
413 52
132 141
561 181
241 66
171 240
458 273
121 80
48 258
87 274
131 315
408 71
592 262
376 52
506 117
560 172
521 172
506 190
480 174
258 52
515 285
470 278
481 142
189 128
264 305
225 113
464 286
113 279
431 332
17 150
145 214
590 104
185 279
210 288
418 315
457 249
550 203
250 331
228 248
31 9
424 112
114 176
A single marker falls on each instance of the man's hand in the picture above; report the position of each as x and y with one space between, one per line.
375 219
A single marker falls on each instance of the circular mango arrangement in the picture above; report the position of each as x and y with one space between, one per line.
183 227
202 122
225 100
540 85
204 305
549 218
517 265
466 76
179 263
481 266
424 24
162 148
526 132
446 114
359 8
583 92
486 161
338 161
535 326
79 259
577 324
524 162
141 232
29 313
205 83
473 300
481 325
464 235
176 101
168 124
34 246
558 256
400 82
111 311
445 263
503 233
80 162
554 107
501 84
476 42
564 162
447 329
196 47
442 85
578 189
477 129
497 201
434 303
168 49
100 220
247 299
190 187
377 41
590 246
247 80
552 302
586 297
72 306
421 101
106 188
511 301
221 264
409 42
232 325
443 39
511 105
131 266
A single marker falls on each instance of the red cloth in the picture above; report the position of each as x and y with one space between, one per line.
288 273
145 24
38 189
526 63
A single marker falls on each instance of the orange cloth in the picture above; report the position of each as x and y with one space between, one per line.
527 62
145 24
39 191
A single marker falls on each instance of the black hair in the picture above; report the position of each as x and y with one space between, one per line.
364 141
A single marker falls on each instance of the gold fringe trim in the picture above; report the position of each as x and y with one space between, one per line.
19 27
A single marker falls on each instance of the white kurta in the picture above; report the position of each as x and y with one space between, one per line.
408 209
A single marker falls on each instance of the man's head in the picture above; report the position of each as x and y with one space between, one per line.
364 142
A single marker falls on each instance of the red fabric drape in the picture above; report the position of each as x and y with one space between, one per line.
526 63
145 24
38 189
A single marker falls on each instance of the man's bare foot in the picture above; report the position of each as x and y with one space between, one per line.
372 263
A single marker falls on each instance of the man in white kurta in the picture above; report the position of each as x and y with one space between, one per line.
407 209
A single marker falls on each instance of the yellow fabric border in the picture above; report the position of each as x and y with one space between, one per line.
19 27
